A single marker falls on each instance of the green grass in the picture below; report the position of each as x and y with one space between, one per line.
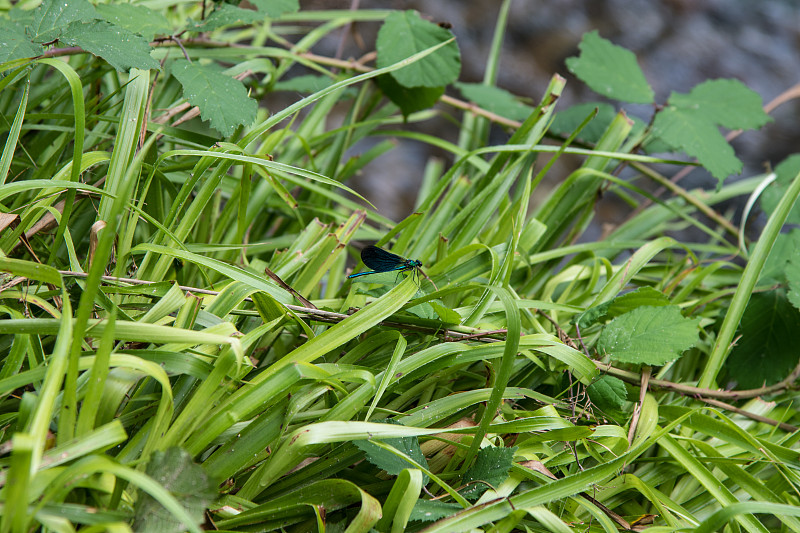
153 377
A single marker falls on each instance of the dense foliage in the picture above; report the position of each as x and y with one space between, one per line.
181 348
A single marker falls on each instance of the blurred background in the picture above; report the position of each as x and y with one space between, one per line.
679 43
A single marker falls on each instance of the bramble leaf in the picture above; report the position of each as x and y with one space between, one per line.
187 481
729 103
610 70
14 44
432 510
692 133
767 348
136 19
643 296
490 469
276 8
404 34
52 17
409 99
386 460
649 335
608 393
226 15
222 100
785 173
122 49
494 99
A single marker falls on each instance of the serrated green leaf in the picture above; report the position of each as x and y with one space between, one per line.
174 470
610 70
490 469
136 19
608 393
792 274
52 17
404 34
225 15
728 103
276 8
785 173
122 49
767 348
687 131
14 44
409 100
649 335
432 510
567 121
782 252
643 296
494 99
386 460
222 100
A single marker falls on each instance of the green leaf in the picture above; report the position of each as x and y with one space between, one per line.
447 315
494 99
783 250
222 100
404 34
698 137
610 70
122 49
386 460
432 510
643 296
785 173
490 468
14 44
52 17
767 347
306 84
225 15
728 103
174 470
608 393
567 121
649 335
136 19
276 8
792 274
409 100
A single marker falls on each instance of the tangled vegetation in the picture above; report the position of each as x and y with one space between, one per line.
181 348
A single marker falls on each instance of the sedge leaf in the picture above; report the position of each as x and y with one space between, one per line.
649 335
404 34
222 100
610 70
